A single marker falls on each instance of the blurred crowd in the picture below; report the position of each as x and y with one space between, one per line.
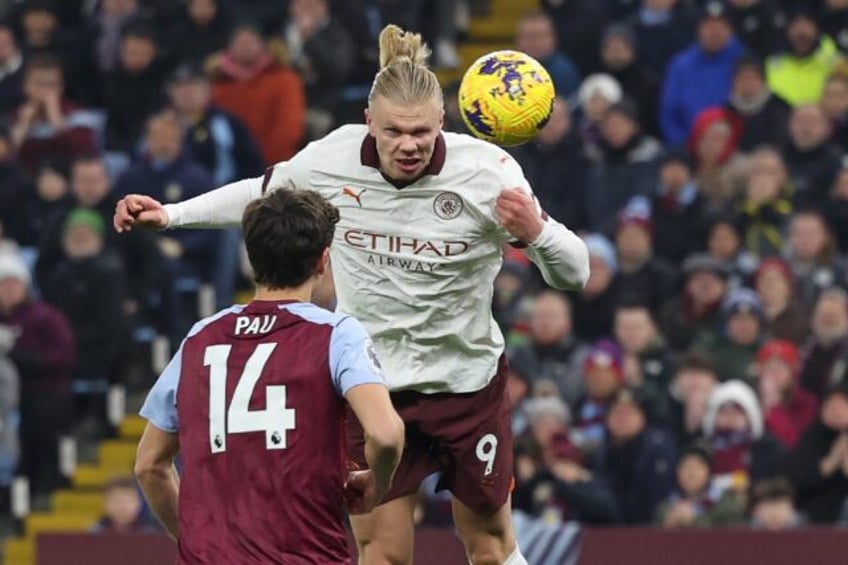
700 378
697 145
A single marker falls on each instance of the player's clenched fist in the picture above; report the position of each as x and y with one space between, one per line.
518 215
139 210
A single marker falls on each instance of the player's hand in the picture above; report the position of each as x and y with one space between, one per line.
139 210
361 492
518 215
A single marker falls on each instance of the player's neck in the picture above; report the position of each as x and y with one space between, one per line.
301 293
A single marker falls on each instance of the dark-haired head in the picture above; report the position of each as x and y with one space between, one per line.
287 234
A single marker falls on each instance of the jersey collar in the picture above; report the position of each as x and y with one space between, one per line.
369 158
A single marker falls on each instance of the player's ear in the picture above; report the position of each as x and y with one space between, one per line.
323 262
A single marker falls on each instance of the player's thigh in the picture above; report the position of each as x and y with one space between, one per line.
488 536
385 536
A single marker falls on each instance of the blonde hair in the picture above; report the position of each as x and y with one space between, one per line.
404 76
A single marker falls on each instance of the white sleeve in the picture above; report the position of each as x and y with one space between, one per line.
561 256
222 207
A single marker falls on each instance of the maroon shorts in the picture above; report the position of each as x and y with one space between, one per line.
467 437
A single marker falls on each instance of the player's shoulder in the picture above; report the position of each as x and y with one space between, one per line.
484 159
341 136
210 321
314 314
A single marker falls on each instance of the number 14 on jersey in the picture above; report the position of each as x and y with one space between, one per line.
275 420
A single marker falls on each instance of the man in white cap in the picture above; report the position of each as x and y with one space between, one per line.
39 342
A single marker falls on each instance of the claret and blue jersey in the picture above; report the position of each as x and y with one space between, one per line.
255 394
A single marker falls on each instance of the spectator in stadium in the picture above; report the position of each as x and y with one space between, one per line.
668 24
110 20
834 22
47 125
697 502
90 288
553 353
510 298
677 209
15 190
43 352
637 461
578 24
798 75
214 137
789 410
134 89
762 115
836 207
724 244
559 487
700 76
813 161
594 306
641 278
813 255
714 144
91 188
603 375
757 24
834 104
597 94
784 313
42 34
323 52
818 467
735 347
743 451
123 509
556 167
619 60
167 172
690 390
50 198
766 204
11 70
626 166
773 506
649 364
537 36
697 311
269 98
10 397
203 30
826 351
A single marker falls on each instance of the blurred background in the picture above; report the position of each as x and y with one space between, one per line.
699 147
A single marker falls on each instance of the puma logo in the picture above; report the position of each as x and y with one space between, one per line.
348 191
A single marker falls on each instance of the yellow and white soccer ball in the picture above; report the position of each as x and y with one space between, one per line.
506 97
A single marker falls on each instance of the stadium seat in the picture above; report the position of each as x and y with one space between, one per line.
132 427
76 502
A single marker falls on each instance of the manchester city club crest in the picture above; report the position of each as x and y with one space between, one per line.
447 205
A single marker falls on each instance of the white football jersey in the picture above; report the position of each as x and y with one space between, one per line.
416 265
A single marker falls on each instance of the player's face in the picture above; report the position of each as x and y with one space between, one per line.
405 135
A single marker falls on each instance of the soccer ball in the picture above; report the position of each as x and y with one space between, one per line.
506 97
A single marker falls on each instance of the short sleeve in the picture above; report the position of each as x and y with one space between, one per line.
160 407
353 359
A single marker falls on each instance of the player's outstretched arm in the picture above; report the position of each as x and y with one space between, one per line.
384 436
562 257
222 207
157 476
